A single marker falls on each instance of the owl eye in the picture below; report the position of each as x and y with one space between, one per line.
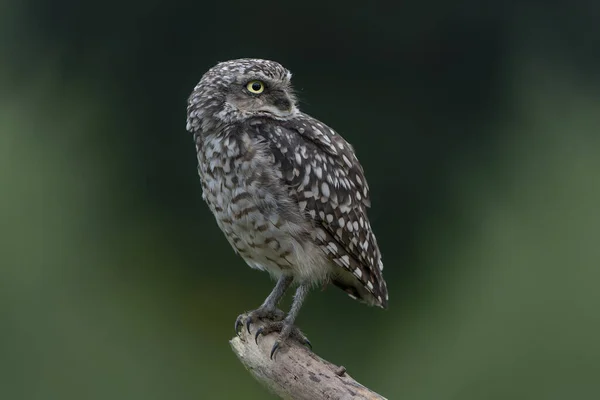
255 87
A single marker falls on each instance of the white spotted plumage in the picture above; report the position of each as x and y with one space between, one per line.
287 190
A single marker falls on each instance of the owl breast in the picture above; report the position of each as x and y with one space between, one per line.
251 206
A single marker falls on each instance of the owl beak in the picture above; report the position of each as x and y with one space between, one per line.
278 112
280 106
284 104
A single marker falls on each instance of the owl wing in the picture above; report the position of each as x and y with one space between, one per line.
325 178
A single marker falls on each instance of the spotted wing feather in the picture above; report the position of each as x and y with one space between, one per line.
326 179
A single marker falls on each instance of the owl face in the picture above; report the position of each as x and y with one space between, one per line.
256 94
236 90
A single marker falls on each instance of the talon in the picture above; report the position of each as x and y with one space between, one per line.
307 343
274 349
258 332
238 323
248 321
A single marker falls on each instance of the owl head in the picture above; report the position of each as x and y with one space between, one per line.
233 91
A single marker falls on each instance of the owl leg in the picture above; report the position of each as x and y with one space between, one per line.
286 327
268 309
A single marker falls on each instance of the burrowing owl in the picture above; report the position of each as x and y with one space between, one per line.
287 190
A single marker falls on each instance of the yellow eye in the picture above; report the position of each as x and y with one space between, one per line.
255 87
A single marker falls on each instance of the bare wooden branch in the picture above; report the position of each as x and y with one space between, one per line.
296 373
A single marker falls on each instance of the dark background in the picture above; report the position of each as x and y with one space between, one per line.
478 127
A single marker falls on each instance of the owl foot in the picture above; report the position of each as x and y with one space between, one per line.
287 331
270 314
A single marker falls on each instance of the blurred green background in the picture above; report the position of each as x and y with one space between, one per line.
478 125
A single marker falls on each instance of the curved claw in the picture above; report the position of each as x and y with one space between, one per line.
308 343
238 323
248 322
274 348
258 332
